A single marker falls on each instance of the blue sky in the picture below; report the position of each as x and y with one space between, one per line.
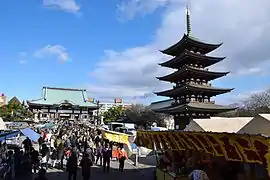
111 47
85 37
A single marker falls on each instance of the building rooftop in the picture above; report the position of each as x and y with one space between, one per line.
57 96
186 41
191 57
219 124
193 87
161 104
195 107
186 72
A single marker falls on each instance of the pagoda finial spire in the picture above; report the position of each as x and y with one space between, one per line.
188 21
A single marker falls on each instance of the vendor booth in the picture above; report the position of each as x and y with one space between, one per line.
222 155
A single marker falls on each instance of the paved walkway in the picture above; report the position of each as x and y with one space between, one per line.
130 173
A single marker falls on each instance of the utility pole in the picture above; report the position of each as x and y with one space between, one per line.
136 156
98 119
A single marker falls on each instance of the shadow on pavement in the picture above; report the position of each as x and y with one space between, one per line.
97 173
149 160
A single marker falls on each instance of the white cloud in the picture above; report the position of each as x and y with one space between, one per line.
22 61
65 5
22 54
242 26
22 57
53 50
129 9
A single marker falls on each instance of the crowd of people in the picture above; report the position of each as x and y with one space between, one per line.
67 146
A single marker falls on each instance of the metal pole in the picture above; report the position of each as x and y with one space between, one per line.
136 157
98 121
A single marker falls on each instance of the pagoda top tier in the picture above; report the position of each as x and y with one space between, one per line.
191 44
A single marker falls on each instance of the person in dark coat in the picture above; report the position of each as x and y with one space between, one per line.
40 142
72 166
34 159
54 157
86 164
45 154
60 154
17 162
41 175
107 154
27 145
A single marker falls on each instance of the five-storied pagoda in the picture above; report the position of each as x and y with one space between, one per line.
192 91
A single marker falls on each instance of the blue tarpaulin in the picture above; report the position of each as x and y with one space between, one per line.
31 134
47 126
7 135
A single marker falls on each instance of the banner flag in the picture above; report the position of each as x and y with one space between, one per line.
119 138
234 147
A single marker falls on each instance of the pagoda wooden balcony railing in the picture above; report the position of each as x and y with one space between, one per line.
200 68
193 82
203 102
192 101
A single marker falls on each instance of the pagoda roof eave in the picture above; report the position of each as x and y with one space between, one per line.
194 87
174 76
209 60
196 107
191 40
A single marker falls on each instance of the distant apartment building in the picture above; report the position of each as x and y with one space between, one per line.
105 106
3 100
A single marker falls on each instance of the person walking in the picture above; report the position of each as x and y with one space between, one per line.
107 154
53 157
27 145
45 154
121 156
86 164
72 166
34 159
40 142
99 153
60 152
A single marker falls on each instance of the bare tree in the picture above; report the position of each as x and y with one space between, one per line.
144 116
240 112
258 103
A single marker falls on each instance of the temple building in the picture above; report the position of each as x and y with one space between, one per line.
63 103
191 95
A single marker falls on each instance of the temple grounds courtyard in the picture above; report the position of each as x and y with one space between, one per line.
131 172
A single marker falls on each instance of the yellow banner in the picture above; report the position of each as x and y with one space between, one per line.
115 137
234 147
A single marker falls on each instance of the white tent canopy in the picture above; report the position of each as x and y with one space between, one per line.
259 124
2 124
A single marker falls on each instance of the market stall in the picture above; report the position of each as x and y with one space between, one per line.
232 153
